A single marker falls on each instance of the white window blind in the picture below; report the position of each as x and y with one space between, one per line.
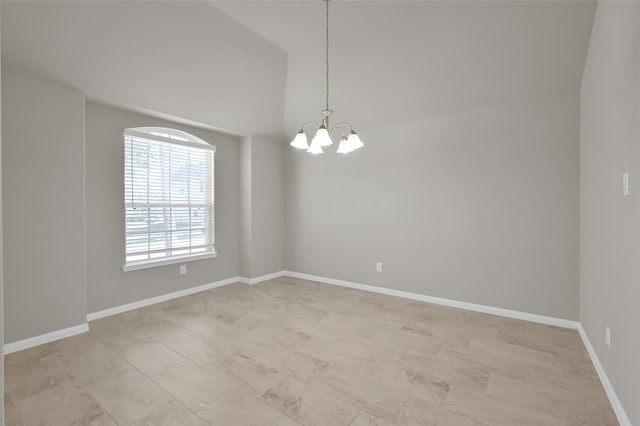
169 196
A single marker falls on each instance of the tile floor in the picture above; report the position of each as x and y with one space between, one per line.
293 352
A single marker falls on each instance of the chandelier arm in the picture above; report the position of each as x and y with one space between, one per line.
312 123
337 128
344 123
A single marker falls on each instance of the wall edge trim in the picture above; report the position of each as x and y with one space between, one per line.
45 338
542 319
608 387
158 299
261 278
558 322
180 293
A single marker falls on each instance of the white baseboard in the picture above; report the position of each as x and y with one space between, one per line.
261 278
558 322
45 338
623 419
176 294
163 298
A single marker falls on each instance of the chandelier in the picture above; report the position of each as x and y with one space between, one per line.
349 140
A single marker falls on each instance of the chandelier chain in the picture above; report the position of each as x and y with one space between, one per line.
327 51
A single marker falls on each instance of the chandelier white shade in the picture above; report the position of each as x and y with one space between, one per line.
300 141
349 140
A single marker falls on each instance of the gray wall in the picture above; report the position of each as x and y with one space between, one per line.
609 221
245 207
480 206
262 243
43 207
267 205
108 285
1 282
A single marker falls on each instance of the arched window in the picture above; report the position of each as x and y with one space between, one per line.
168 197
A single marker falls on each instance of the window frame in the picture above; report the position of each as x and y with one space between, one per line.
180 138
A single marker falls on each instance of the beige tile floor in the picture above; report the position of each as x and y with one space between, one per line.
293 352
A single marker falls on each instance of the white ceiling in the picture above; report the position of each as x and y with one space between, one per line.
177 59
394 61
391 61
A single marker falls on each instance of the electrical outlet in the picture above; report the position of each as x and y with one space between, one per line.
378 266
183 269
607 337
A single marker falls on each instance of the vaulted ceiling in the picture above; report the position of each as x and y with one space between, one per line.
183 60
394 61
391 61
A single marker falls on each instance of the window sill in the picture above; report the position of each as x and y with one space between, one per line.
145 264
